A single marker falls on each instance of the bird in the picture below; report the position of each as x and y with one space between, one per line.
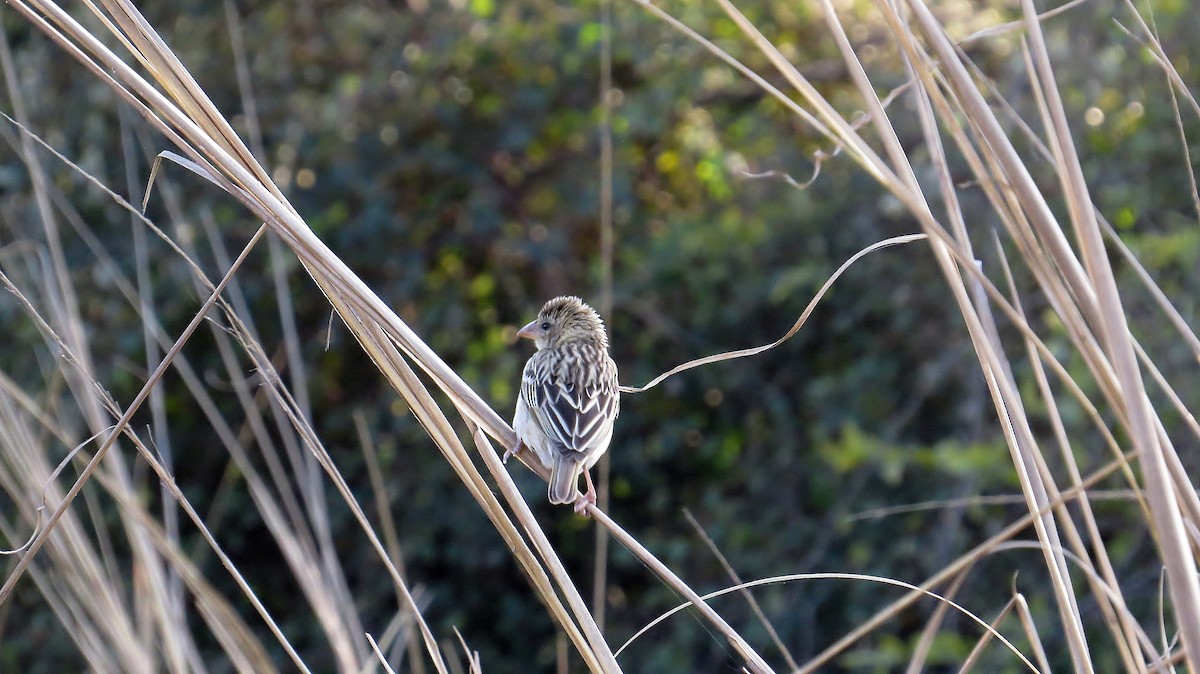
569 397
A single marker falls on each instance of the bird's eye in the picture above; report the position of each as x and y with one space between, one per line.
545 326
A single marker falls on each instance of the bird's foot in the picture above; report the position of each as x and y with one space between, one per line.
513 451
583 502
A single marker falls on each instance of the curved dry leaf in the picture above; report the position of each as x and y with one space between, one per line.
754 351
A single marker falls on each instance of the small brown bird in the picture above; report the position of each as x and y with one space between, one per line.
569 398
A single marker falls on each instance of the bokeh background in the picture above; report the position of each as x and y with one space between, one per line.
449 153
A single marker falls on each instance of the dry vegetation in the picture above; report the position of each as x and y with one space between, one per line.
133 619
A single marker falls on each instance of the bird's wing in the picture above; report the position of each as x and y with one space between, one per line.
576 413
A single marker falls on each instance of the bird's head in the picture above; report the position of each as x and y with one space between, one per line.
565 319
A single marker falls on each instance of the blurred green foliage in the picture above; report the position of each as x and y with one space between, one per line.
448 153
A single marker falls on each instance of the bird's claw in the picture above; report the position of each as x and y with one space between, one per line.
582 503
513 451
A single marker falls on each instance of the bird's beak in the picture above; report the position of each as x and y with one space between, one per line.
529 331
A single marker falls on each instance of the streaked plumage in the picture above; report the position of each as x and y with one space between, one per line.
569 399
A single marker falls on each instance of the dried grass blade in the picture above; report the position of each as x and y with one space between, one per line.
754 351
986 639
194 167
1031 633
921 651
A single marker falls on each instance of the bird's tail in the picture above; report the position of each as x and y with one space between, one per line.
564 474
